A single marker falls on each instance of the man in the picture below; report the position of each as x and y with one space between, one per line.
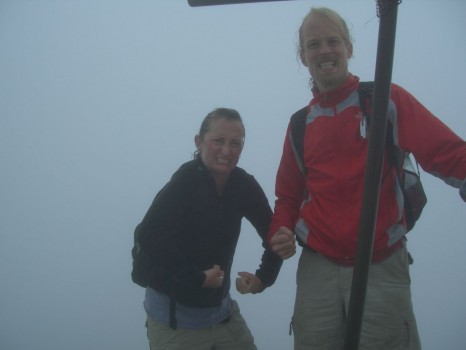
326 222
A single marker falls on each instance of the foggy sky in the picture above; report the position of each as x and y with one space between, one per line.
99 104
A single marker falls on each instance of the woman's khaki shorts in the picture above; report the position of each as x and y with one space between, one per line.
232 335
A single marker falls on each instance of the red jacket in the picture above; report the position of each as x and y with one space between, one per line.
335 153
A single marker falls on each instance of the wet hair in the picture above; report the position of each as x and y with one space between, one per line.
334 18
218 113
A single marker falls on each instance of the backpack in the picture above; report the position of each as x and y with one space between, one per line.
143 268
142 262
414 196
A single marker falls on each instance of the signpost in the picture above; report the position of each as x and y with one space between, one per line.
196 3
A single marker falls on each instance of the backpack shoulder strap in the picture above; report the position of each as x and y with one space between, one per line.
414 196
297 129
366 89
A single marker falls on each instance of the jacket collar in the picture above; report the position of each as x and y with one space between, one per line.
333 97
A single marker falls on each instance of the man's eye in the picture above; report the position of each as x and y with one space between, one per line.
312 45
218 141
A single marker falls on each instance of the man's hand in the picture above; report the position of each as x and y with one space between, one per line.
248 283
283 243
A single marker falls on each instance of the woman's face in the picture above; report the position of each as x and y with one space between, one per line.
220 147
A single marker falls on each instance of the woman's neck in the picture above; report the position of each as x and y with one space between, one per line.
220 182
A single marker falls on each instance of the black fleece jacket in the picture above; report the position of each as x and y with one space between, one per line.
189 228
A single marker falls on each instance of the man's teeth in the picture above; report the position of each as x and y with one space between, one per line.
326 64
223 161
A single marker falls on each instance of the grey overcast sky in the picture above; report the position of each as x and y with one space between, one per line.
100 101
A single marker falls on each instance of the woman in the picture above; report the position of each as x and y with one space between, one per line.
191 231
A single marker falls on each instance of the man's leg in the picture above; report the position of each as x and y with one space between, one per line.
388 321
318 317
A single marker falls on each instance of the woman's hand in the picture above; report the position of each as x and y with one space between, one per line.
249 283
214 277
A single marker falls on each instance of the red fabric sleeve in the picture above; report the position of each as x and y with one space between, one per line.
435 146
289 190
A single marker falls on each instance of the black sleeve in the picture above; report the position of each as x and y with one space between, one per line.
158 228
259 214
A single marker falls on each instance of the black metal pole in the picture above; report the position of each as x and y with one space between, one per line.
388 10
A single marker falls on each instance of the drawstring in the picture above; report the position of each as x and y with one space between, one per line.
172 313
172 316
290 332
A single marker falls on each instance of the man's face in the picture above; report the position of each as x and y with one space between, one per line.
325 53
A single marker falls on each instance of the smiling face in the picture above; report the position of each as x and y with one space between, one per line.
324 51
220 147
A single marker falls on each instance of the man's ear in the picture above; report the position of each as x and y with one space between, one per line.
349 50
301 56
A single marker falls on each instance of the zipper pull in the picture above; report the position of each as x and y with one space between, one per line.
363 127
